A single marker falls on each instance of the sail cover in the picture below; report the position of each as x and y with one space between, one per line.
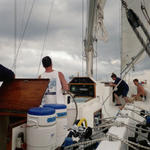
95 26
130 44
100 30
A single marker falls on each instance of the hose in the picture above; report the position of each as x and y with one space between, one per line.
76 106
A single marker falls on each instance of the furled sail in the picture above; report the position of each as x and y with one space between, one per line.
95 30
100 31
130 44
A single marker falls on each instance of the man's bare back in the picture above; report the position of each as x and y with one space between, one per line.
140 90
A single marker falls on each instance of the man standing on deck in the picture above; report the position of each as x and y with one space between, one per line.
122 89
54 92
141 93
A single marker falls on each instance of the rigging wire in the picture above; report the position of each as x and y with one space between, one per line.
96 60
95 40
137 107
23 16
82 42
135 127
108 114
121 124
23 34
129 143
46 34
144 11
15 31
115 137
120 39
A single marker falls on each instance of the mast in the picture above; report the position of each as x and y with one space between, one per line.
95 30
88 43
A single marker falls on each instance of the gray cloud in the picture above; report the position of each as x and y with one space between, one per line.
64 41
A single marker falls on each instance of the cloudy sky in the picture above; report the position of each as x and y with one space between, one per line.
64 40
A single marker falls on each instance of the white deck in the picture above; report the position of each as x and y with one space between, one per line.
86 110
123 132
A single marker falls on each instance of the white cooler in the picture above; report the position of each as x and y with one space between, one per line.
41 129
61 122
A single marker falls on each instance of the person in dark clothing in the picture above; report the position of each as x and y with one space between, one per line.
122 89
6 74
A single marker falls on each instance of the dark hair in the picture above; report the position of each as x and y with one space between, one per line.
135 80
46 61
113 75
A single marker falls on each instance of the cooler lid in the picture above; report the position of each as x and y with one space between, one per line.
41 111
56 106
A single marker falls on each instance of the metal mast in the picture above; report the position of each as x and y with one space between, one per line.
88 43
